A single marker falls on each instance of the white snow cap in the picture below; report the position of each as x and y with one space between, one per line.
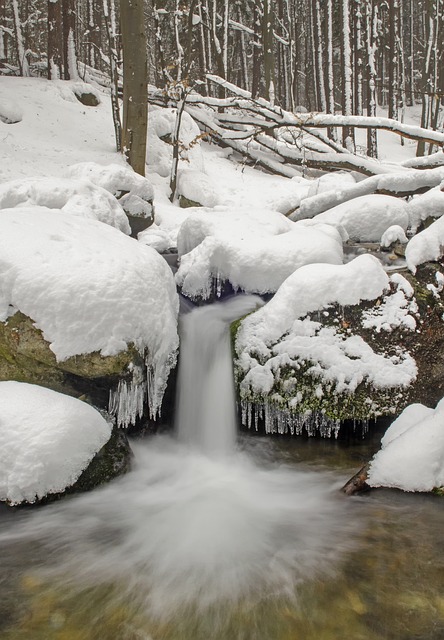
254 250
46 440
195 185
88 287
426 205
366 218
76 197
412 451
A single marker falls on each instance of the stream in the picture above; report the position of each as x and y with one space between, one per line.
218 535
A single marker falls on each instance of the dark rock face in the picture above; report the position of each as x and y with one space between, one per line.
87 99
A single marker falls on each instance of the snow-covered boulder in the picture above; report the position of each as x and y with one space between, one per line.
393 235
335 180
159 153
90 289
426 205
195 189
412 451
134 192
426 246
47 442
78 197
306 361
366 218
252 251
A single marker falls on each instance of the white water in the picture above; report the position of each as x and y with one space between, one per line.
189 529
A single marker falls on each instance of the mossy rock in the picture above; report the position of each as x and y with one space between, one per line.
25 356
317 398
87 98
186 203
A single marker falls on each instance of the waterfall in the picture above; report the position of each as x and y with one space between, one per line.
205 403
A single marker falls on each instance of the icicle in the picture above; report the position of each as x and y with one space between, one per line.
280 420
128 400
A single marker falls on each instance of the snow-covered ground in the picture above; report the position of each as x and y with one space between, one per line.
241 233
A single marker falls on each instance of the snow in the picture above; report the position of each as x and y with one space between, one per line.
366 218
196 186
46 440
253 258
88 287
279 335
135 193
426 246
75 197
412 451
397 310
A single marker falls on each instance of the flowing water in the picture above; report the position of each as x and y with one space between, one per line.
213 536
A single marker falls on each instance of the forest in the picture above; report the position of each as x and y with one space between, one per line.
343 57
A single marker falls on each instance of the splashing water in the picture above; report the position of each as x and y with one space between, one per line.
197 523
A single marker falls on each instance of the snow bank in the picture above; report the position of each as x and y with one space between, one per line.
75 197
412 451
366 218
426 205
10 111
88 288
46 440
248 257
276 336
159 154
428 245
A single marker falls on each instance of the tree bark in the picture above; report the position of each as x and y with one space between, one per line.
135 84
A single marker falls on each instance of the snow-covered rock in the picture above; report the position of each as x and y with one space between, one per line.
306 368
252 258
75 197
336 181
156 238
47 439
426 246
89 288
426 205
412 451
368 217
392 235
196 186
134 192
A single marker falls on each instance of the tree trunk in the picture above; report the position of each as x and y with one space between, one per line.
135 84
55 40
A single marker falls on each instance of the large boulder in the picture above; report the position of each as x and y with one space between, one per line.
341 343
51 444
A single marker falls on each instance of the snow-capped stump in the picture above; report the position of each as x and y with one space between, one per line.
251 251
310 359
79 198
134 192
366 218
51 443
81 298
